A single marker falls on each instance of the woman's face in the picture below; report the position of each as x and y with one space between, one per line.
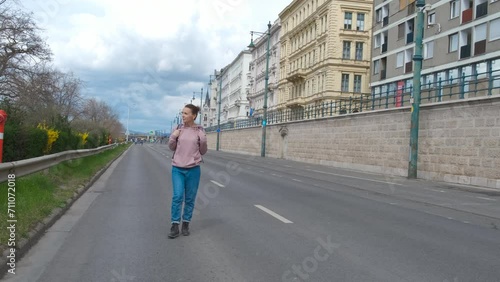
187 115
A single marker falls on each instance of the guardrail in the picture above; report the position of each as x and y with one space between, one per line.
28 166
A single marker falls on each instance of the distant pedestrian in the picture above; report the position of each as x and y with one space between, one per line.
189 143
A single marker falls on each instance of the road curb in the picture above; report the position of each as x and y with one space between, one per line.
25 244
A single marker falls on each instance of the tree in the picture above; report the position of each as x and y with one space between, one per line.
21 48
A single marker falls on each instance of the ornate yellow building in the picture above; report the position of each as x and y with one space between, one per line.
325 51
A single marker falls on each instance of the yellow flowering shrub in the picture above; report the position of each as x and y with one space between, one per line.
52 135
84 137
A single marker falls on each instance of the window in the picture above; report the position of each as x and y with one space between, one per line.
454 9
378 15
480 32
377 40
400 59
376 66
348 20
346 53
428 81
442 78
431 18
453 76
481 71
429 50
453 42
494 32
480 39
345 83
357 84
359 51
401 31
360 24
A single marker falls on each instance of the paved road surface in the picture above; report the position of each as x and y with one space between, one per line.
269 220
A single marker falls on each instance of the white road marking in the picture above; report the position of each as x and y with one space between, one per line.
275 215
433 190
274 174
355 177
484 198
217 183
298 180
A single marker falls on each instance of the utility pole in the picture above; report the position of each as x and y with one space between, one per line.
415 99
218 114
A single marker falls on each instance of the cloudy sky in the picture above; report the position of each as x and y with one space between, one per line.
150 55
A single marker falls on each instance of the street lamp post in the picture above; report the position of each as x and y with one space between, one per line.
266 86
415 107
128 117
218 112
209 88
201 102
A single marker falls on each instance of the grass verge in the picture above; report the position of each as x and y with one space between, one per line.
38 194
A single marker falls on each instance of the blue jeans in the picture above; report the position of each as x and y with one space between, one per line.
185 182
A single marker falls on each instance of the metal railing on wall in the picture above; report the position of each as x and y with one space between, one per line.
28 166
442 90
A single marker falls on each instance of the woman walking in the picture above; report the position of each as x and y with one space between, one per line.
189 143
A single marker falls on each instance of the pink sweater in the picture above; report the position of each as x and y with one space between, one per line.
188 147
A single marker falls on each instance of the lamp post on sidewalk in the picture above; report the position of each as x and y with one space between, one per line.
266 86
210 76
415 107
201 101
218 112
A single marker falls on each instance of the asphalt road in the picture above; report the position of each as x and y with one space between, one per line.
269 220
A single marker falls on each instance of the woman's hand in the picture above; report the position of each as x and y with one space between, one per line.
176 133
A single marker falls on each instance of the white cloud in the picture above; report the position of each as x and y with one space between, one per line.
153 53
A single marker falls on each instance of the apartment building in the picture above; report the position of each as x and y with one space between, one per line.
461 44
325 52
234 102
257 72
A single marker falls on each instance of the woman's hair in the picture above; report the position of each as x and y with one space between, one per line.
194 109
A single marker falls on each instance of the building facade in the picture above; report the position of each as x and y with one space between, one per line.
210 105
325 52
257 72
461 47
234 102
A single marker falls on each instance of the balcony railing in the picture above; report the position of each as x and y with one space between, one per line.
465 51
462 87
482 9
467 16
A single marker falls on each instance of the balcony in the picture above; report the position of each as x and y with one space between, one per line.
467 16
271 85
481 10
296 75
409 67
480 47
295 102
409 37
384 47
465 51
